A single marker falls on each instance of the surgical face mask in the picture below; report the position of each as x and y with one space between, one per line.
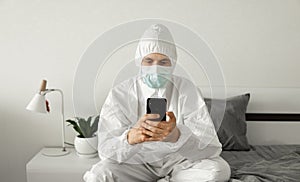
156 76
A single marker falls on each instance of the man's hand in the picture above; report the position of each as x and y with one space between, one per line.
137 134
159 131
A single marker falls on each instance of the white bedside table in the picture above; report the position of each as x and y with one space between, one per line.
64 168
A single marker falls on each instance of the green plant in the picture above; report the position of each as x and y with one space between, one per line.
85 127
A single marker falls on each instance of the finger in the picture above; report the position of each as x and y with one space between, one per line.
168 125
153 123
140 131
148 116
146 126
159 138
161 124
142 138
171 116
152 128
152 139
149 133
154 135
151 116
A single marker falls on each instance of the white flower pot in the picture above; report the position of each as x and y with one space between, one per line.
86 147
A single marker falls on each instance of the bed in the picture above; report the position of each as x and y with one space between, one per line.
265 163
254 163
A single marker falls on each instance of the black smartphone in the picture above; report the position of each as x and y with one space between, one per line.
157 106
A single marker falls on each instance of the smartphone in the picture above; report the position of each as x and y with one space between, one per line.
157 106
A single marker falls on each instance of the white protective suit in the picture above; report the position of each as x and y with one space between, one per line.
195 155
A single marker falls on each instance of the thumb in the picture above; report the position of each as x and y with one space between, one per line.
171 116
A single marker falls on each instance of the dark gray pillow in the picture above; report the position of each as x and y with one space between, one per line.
233 129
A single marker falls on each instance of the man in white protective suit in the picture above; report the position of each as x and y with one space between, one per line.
134 148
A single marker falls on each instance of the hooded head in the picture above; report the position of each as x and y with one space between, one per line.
157 40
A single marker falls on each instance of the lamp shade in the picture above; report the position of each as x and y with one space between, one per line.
37 104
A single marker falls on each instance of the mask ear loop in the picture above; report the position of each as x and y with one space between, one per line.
173 64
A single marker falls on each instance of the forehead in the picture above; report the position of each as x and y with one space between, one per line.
157 56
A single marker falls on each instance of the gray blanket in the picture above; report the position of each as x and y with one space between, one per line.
265 164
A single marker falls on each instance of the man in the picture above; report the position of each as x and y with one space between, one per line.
133 147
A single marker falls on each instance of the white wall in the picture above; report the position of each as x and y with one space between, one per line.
257 43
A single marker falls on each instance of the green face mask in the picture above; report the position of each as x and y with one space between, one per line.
156 76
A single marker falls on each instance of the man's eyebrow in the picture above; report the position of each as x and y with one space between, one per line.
165 59
148 58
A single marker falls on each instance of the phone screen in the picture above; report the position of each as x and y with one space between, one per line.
157 106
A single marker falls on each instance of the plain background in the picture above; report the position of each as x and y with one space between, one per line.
257 43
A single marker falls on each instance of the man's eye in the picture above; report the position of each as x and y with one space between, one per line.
164 62
148 61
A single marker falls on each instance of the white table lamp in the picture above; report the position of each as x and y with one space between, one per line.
39 104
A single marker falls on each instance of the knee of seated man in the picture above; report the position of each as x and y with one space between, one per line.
220 169
104 168
214 169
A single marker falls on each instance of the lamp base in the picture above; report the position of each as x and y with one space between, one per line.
54 152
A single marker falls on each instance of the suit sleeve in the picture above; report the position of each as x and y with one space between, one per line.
198 137
112 132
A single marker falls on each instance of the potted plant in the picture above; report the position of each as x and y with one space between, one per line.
86 141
